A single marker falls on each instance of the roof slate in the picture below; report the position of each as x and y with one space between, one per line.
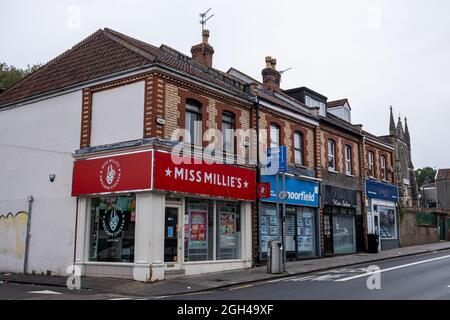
106 52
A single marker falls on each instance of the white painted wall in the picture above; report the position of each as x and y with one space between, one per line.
118 114
35 140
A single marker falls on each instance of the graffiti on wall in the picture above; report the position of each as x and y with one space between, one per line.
13 229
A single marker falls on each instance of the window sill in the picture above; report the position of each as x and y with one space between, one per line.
350 175
332 171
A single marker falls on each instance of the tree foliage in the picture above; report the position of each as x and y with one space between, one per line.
10 75
425 175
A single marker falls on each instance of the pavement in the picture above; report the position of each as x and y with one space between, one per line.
214 281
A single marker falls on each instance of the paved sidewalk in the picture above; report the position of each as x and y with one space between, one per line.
189 284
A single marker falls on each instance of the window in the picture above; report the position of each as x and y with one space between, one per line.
371 167
112 229
212 230
383 167
228 126
274 135
308 101
193 121
388 223
348 160
331 153
298 148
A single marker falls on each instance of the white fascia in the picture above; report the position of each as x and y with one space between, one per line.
289 113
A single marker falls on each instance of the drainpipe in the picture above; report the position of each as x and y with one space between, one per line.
258 177
27 240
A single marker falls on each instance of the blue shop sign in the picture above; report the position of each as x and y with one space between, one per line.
300 192
382 191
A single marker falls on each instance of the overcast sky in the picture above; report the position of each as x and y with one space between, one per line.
376 53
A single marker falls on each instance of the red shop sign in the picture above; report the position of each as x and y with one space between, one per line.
220 180
263 190
126 172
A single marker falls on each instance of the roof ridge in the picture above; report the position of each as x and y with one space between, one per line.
58 57
124 41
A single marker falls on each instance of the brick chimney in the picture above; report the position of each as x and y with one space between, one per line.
271 77
203 52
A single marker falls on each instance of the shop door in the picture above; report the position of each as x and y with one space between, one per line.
442 229
376 227
171 236
290 236
327 234
360 241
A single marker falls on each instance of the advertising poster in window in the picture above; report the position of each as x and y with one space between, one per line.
227 229
198 230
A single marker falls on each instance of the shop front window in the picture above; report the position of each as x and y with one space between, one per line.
344 231
229 231
388 226
269 226
112 229
212 230
199 230
306 230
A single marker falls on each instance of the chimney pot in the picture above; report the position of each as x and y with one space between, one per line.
268 62
205 36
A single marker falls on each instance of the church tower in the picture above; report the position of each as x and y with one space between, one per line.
404 168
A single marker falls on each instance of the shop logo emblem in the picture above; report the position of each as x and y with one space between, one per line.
110 174
113 223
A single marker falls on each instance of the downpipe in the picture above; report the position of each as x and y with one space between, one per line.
30 200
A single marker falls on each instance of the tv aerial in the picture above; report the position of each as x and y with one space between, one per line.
204 18
285 70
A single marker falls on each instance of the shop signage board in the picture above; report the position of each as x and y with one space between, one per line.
156 170
199 177
299 192
339 197
115 173
382 191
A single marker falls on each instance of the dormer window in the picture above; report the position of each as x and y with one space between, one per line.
313 103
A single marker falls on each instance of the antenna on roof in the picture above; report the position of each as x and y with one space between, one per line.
283 71
204 18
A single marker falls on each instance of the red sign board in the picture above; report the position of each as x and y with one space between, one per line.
124 172
263 190
182 174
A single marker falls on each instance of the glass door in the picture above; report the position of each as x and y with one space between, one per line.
327 232
172 233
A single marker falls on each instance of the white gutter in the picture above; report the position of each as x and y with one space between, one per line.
379 142
289 113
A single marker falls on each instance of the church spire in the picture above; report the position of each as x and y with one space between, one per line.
392 124
400 132
407 137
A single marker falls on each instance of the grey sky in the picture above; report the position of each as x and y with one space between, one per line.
376 53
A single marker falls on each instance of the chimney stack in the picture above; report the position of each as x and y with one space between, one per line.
203 52
271 77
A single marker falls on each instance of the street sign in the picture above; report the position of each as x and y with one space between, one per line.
276 161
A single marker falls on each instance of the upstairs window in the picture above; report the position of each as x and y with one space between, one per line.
348 160
331 155
371 166
274 135
193 121
228 126
383 167
298 148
